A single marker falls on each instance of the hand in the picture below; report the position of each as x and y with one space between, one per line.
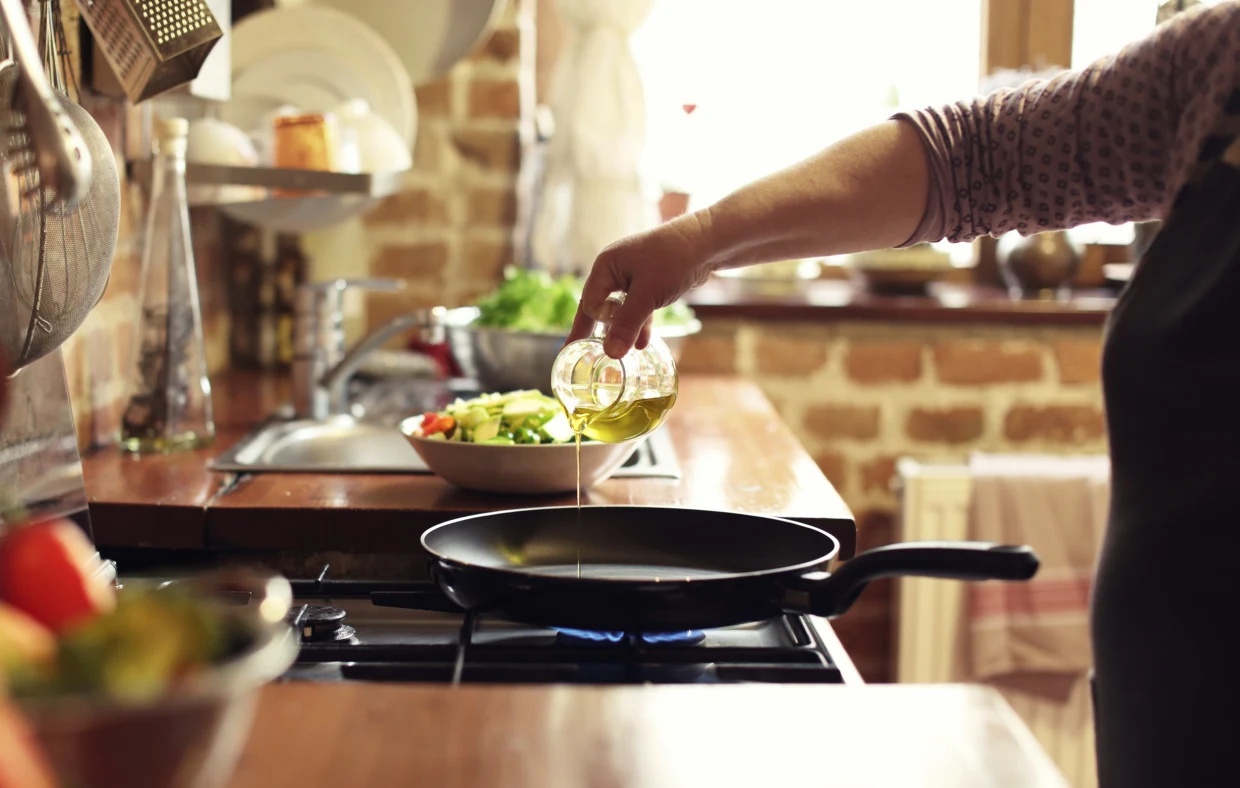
653 269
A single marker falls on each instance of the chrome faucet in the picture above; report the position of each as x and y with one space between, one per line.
321 366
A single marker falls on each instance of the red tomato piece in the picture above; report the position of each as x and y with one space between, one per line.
47 570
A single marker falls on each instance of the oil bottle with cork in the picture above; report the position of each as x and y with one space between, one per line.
169 394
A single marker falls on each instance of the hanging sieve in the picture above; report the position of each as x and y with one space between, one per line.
55 265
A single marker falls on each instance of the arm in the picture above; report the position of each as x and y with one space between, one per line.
1113 142
1110 143
873 186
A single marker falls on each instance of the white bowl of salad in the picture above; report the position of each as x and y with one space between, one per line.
517 442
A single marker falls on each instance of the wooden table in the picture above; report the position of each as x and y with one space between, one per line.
640 737
735 453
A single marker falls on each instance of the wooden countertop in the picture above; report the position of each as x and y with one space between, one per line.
833 300
640 737
175 502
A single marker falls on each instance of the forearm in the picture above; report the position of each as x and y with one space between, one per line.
867 191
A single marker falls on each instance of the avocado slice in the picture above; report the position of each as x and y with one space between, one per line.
488 429
558 430
517 411
472 417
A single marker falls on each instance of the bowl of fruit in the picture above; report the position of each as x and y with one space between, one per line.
148 686
516 442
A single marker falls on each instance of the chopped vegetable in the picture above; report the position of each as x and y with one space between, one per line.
24 642
526 435
526 418
47 571
150 640
531 300
436 422
65 629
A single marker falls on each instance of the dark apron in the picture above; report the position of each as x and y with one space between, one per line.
1167 594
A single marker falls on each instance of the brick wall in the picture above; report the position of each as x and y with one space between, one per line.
861 395
450 234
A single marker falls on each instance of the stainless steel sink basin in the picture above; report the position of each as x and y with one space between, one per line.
343 444
337 445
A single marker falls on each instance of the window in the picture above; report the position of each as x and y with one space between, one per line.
771 82
1103 27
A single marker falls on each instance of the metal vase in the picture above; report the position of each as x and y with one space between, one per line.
1038 266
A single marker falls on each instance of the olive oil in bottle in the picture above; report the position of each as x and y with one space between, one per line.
628 422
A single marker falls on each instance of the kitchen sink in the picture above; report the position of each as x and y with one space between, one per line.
343 444
337 445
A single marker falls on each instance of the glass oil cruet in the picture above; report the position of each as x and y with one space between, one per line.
169 395
612 400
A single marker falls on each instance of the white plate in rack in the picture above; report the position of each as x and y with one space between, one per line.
315 59
429 36
326 52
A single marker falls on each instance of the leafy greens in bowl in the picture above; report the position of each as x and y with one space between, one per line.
534 301
511 338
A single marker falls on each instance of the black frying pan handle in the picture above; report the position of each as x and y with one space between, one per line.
831 595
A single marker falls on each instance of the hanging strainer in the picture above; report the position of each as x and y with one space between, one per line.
55 267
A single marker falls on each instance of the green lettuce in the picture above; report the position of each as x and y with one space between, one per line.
533 300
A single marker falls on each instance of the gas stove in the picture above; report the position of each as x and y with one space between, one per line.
409 632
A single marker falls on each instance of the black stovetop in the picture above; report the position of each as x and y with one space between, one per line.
409 632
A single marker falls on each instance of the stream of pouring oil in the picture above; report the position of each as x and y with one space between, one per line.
578 432
639 418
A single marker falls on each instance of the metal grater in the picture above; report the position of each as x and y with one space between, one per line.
153 46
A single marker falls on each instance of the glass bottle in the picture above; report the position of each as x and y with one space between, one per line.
169 404
614 400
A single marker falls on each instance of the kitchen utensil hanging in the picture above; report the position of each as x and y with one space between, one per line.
153 46
40 135
56 261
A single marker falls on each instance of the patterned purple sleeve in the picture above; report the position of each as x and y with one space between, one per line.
1111 143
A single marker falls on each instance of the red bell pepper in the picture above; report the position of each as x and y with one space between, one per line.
434 422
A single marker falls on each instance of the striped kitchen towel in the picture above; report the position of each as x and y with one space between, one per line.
1057 505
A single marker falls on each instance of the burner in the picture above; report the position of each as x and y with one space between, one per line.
321 623
579 637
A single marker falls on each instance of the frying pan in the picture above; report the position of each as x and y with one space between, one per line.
651 569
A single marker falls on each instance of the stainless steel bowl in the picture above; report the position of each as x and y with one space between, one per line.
190 737
504 360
